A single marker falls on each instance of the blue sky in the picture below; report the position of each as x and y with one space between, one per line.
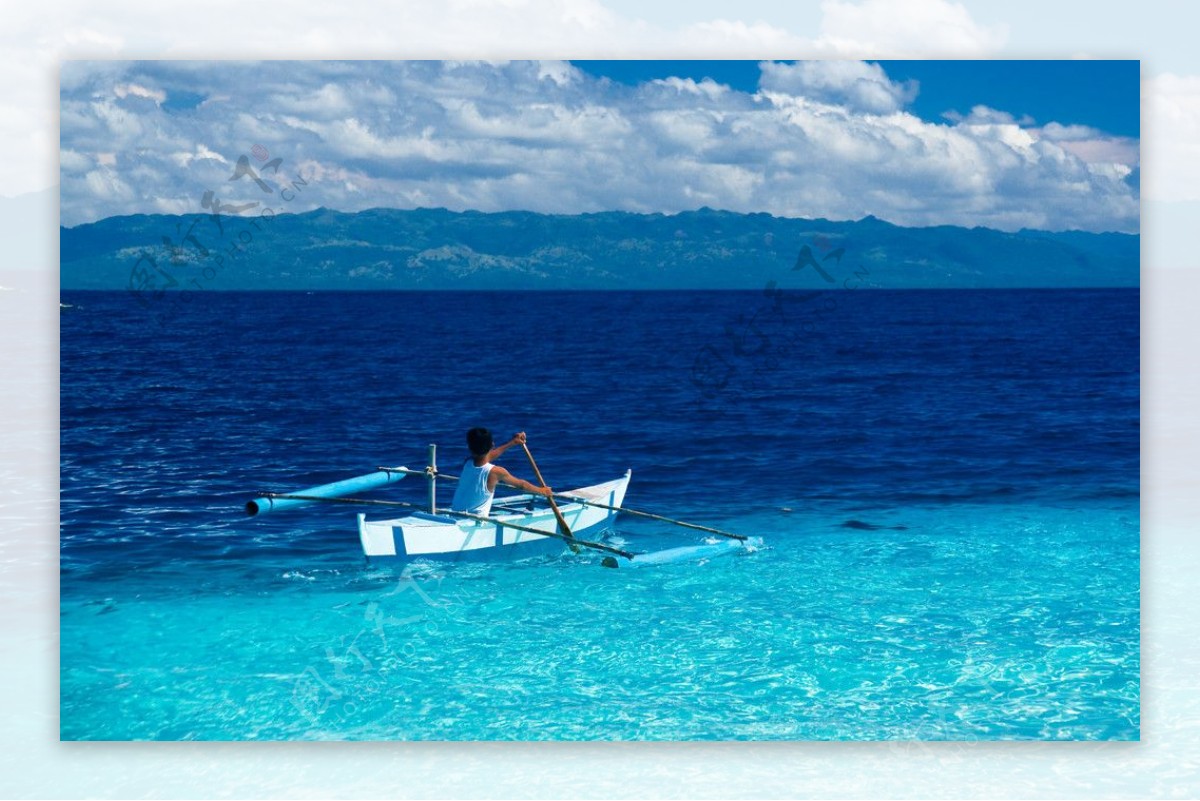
1099 94
1006 145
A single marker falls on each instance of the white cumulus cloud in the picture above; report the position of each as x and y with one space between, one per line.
134 90
856 84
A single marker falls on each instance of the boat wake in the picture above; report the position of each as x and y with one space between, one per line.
689 553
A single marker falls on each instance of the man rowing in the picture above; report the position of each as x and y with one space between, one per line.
477 484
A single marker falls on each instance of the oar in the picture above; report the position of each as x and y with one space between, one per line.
562 522
571 540
652 516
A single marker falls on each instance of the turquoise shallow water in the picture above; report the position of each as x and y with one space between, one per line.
970 623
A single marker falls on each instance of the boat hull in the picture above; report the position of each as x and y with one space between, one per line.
433 536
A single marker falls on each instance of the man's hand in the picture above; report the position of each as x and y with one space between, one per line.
497 452
546 491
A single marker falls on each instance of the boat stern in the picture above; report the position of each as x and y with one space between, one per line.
378 537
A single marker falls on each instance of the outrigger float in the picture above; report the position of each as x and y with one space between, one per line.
521 525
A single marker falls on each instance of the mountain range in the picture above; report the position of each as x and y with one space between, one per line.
381 249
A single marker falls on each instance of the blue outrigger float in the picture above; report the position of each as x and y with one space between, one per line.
520 525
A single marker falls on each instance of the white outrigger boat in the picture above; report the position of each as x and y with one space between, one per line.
519 525
439 536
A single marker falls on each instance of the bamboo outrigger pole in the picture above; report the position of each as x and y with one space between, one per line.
653 516
465 515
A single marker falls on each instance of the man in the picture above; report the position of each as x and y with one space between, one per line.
477 484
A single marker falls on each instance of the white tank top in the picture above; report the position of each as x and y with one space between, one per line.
472 494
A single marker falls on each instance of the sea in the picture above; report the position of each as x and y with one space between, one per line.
945 484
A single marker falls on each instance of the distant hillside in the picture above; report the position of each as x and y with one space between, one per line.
440 249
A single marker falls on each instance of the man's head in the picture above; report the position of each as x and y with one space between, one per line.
479 440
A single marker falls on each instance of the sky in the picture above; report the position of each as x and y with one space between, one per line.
1101 94
1006 145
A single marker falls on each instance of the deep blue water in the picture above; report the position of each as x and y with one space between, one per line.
946 483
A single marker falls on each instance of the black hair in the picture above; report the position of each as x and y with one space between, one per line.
479 440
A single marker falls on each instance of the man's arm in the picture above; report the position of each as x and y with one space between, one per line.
518 439
499 475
